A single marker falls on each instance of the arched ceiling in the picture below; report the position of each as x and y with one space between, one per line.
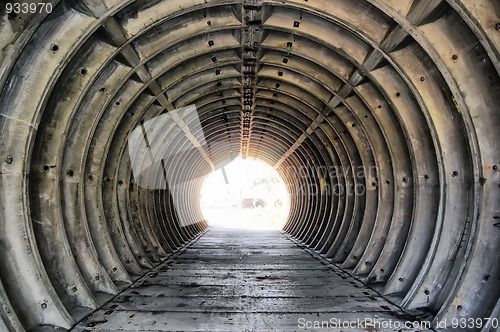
380 115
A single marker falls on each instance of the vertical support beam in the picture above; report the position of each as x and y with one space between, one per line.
250 45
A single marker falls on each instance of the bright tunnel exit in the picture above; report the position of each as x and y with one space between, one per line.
245 194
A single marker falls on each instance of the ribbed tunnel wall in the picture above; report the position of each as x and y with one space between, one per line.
382 116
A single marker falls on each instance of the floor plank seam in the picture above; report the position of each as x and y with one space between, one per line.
145 275
408 315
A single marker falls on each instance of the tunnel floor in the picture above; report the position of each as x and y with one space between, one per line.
240 280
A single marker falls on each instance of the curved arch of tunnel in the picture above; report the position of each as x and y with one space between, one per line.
380 117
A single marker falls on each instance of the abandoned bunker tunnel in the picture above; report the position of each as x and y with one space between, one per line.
405 90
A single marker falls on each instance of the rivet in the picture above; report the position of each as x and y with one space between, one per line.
44 305
454 57
497 26
54 48
9 159
495 167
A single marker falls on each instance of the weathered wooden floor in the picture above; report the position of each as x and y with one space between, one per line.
235 280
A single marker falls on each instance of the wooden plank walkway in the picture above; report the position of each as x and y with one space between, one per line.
236 280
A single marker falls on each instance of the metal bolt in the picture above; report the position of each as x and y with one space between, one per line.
497 26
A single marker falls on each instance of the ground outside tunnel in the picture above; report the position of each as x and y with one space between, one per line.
242 280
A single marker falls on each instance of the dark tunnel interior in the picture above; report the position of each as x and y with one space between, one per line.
381 116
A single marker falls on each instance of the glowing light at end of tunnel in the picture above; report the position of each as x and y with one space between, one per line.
254 196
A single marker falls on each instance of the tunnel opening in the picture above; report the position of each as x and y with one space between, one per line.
245 194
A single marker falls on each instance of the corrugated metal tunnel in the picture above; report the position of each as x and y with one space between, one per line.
381 116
